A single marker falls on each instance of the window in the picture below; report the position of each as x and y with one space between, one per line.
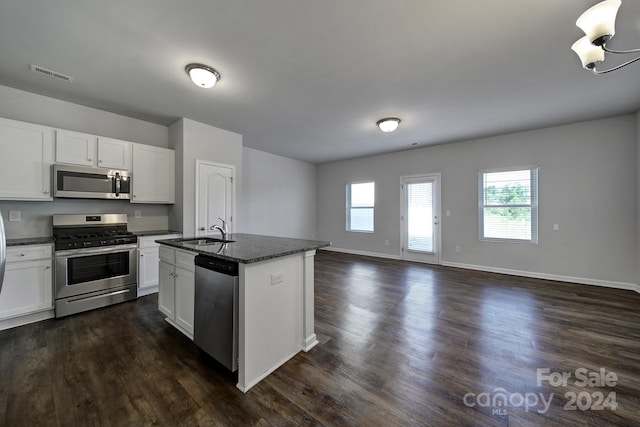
360 205
508 204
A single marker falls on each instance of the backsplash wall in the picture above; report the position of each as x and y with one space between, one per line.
35 217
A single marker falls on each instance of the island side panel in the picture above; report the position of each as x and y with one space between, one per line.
270 316
309 339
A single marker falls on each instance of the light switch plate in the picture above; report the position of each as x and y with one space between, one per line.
14 215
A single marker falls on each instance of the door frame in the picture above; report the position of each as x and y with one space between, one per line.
437 177
199 163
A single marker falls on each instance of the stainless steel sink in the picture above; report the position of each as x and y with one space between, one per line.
206 241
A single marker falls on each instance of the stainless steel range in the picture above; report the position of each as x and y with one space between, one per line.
95 262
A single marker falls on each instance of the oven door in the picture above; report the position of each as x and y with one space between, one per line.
80 271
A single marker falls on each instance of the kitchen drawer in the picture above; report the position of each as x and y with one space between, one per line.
150 241
28 252
168 255
185 259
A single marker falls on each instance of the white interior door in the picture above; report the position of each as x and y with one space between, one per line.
215 197
421 218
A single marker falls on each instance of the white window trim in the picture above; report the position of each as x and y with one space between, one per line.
533 206
348 207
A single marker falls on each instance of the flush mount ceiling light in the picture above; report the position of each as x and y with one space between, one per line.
598 23
389 124
202 75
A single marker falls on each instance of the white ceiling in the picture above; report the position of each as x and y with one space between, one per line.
308 79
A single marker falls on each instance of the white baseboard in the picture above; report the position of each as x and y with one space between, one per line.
531 274
363 253
147 291
546 276
26 319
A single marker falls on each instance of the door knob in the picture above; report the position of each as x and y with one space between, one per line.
211 228
202 228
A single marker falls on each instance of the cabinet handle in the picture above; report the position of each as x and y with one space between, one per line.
89 159
46 191
22 254
141 255
47 267
99 161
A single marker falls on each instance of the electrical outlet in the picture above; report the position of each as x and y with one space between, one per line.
138 214
458 249
14 215
386 243
556 227
277 278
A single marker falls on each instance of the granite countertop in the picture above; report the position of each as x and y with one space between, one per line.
30 241
248 248
154 232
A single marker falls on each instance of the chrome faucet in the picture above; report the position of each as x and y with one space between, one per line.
223 229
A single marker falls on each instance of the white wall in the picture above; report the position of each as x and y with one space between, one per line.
28 107
588 185
197 141
36 216
279 196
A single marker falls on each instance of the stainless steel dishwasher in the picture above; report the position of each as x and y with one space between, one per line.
215 327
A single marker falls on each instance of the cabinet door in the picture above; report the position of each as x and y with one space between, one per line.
75 148
27 288
153 174
148 270
114 153
25 163
185 299
166 290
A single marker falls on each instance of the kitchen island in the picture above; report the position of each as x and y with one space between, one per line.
275 297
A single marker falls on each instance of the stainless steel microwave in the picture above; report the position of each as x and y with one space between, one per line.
81 182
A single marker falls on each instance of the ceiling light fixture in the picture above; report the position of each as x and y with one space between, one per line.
389 124
202 75
598 23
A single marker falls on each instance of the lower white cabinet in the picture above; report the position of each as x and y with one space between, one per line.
27 290
148 257
176 296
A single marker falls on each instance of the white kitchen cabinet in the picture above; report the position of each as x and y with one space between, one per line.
25 163
176 296
27 290
84 149
76 148
153 174
114 153
148 258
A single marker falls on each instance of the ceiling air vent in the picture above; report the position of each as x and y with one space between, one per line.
50 73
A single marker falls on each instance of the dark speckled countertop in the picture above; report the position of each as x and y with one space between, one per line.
30 241
248 248
154 232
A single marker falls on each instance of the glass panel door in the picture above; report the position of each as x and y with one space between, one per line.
420 218
419 215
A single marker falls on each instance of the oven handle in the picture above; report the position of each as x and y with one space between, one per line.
74 253
110 294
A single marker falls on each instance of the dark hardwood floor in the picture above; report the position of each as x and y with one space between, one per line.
400 344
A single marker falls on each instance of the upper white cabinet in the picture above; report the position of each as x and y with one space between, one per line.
76 148
153 174
26 155
114 153
83 149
